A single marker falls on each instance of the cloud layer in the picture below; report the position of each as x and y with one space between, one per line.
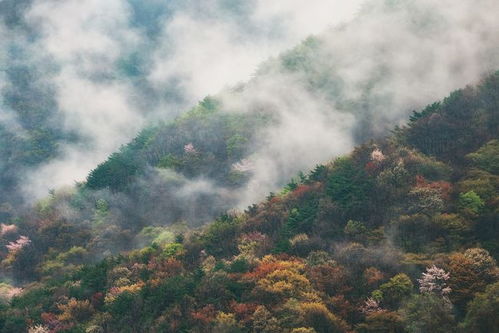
359 80
116 65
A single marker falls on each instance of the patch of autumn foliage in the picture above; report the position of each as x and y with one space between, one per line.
443 187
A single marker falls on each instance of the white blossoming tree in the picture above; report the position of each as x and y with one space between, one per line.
189 148
434 281
38 329
371 305
377 155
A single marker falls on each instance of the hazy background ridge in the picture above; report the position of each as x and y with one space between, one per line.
103 69
96 72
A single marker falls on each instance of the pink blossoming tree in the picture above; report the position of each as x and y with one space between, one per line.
18 244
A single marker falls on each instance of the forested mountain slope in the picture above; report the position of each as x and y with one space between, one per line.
398 236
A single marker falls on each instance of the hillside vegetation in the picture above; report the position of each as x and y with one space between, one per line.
401 235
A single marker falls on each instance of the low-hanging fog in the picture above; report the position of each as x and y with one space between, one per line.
106 69
359 80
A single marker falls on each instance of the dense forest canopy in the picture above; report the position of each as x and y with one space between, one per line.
398 236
